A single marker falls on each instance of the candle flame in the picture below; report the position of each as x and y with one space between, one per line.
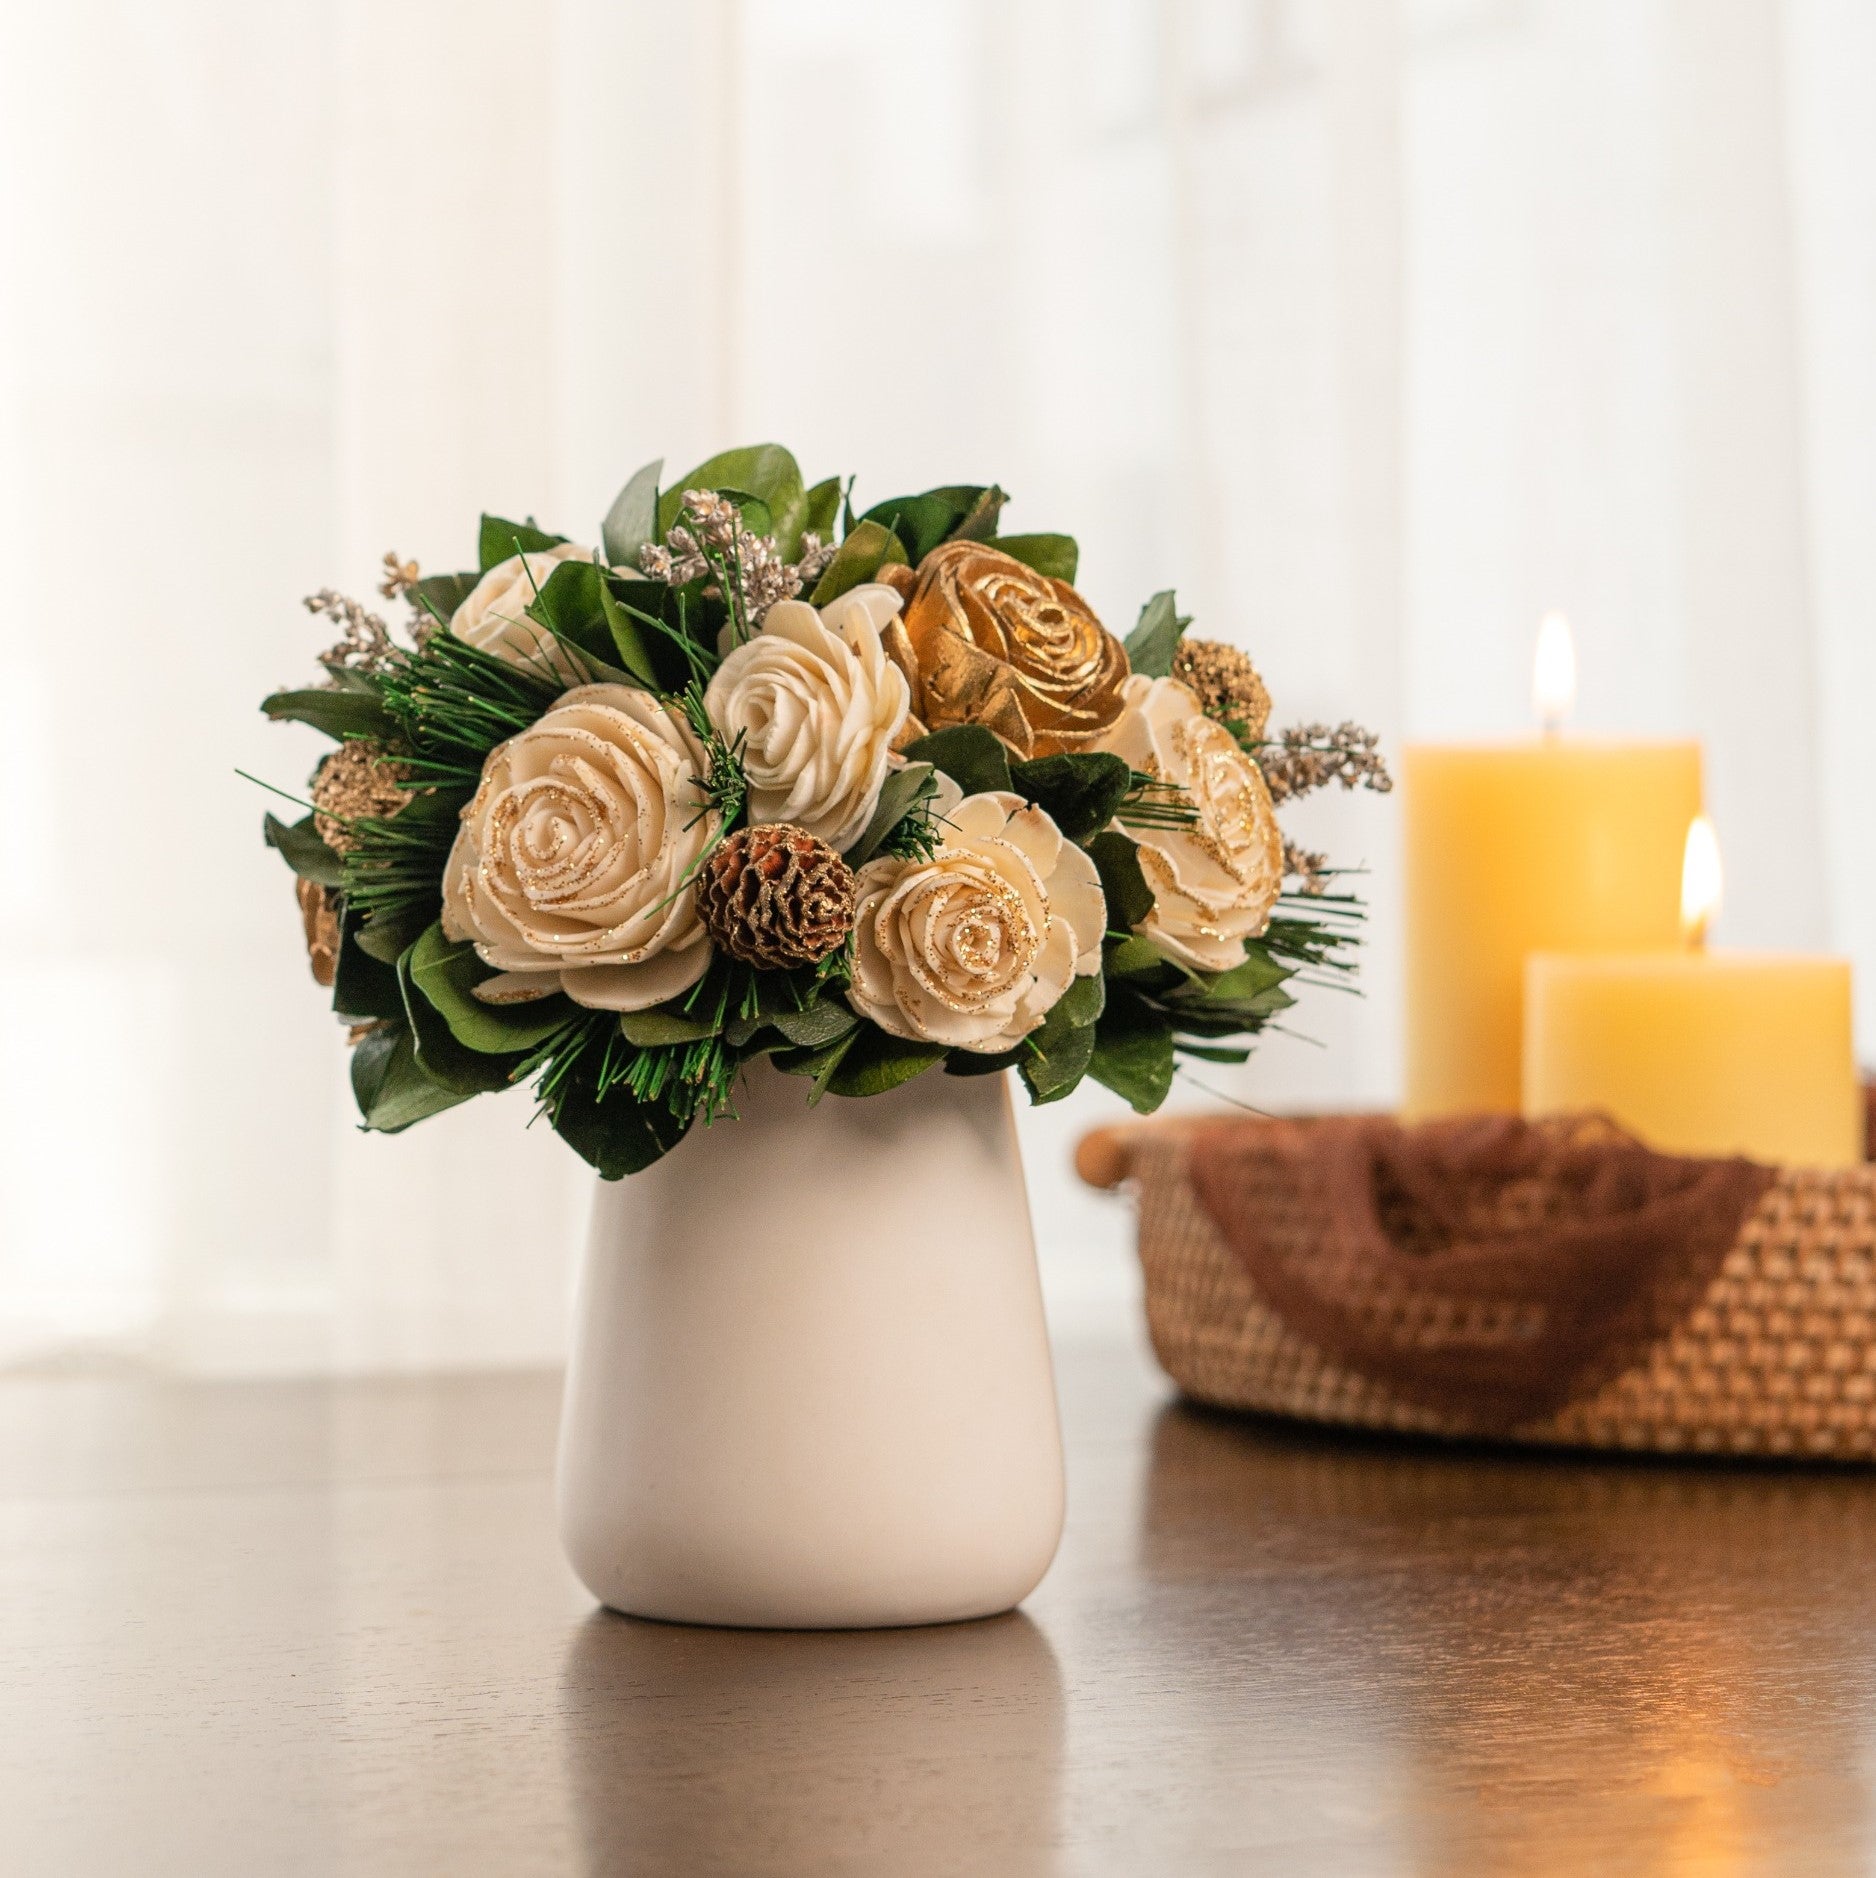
1700 881
1553 675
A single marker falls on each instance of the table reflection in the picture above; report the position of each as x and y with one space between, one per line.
1675 1656
902 1751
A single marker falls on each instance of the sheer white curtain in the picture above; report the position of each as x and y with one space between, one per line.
1377 326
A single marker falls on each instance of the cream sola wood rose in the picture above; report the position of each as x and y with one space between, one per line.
972 948
1215 880
572 866
493 616
816 704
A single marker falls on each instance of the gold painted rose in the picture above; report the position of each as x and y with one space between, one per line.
986 640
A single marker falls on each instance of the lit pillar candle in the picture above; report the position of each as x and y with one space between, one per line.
1555 844
1699 1052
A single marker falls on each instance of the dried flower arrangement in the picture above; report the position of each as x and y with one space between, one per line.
760 777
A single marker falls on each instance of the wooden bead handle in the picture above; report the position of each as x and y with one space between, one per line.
1103 1158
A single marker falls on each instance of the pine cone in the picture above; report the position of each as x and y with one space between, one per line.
776 896
1226 682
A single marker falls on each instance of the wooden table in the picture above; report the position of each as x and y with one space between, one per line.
292 1627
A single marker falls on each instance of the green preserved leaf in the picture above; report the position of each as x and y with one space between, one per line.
572 605
363 986
641 647
923 521
1079 791
446 974
823 509
617 1134
901 792
651 1028
303 851
439 595
867 548
1056 1057
501 540
1139 961
1133 1052
632 521
763 470
1154 641
1054 555
340 714
387 934
820 1024
440 1054
392 1088
1117 860
973 757
875 1062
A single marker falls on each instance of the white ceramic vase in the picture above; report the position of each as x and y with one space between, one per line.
810 1382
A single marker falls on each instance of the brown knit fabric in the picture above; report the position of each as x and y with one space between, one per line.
1488 1269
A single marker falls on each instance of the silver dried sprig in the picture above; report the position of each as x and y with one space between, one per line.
365 643
1311 756
709 538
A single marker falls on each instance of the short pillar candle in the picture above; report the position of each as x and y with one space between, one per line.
1712 1053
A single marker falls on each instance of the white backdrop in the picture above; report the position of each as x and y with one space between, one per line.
1377 326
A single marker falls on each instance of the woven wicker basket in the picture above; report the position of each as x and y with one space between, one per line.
1776 1355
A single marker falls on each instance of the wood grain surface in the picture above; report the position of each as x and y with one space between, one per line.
324 1628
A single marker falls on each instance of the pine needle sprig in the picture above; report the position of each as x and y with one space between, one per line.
1153 802
454 703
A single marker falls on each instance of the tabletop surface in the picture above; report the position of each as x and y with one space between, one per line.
294 1627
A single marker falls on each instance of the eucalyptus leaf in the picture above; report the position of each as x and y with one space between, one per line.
1117 860
300 846
763 470
1080 790
632 521
901 792
391 1087
869 546
340 714
446 975
973 757
1054 555
1154 641
1133 1052
821 1023
501 540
